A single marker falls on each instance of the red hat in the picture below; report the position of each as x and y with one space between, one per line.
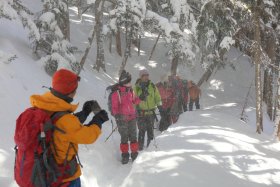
65 81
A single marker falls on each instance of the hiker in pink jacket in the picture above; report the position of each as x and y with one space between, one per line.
123 109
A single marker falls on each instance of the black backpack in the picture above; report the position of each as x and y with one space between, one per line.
111 89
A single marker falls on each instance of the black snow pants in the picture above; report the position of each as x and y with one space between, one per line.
197 105
165 120
127 130
145 124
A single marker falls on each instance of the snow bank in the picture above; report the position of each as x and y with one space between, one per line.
207 148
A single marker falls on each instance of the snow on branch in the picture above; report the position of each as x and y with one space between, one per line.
180 41
227 42
164 23
6 10
6 57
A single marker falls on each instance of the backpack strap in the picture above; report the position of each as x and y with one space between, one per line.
55 117
51 124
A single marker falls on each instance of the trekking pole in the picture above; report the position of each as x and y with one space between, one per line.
155 143
113 130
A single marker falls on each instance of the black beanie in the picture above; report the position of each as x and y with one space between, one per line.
124 78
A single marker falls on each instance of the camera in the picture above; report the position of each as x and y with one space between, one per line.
95 107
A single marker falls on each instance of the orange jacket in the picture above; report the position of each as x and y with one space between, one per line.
194 91
75 132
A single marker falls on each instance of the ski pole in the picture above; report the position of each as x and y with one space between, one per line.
155 142
113 130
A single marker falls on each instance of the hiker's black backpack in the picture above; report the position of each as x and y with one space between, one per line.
111 89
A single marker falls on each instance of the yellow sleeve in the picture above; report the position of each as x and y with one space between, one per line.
75 132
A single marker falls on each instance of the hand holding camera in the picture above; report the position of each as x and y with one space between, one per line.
99 119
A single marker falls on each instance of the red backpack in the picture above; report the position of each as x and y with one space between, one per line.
35 165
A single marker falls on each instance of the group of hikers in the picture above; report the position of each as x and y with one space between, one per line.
47 134
136 106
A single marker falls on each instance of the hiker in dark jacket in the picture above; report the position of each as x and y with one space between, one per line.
150 100
167 98
185 95
175 83
123 108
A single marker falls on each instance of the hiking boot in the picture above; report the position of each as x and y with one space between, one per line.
125 158
134 156
148 142
141 146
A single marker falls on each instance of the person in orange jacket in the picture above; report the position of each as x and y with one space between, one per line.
194 93
65 145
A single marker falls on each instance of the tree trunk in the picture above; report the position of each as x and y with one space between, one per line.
271 52
65 22
268 92
269 97
257 59
207 74
277 120
154 47
174 65
83 60
139 45
265 85
110 42
100 57
79 6
126 53
118 42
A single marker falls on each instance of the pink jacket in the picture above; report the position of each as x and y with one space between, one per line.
123 102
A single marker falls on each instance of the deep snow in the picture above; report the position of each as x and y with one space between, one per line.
210 147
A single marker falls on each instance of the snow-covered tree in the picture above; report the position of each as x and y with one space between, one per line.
100 56
54 47
173 22
26 17
12 10
217 24
6 10
128 15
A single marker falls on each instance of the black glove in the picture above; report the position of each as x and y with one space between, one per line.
99 119
87 107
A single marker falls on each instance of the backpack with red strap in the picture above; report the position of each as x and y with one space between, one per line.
35 165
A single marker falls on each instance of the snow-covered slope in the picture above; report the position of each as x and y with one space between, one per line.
209 147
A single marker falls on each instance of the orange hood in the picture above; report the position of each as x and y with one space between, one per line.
51 103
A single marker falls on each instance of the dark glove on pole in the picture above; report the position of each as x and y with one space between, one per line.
99 119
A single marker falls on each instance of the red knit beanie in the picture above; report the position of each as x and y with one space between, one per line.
65 81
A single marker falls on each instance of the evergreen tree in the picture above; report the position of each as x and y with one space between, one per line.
7 11
54 46
129 15
12 10
174 23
